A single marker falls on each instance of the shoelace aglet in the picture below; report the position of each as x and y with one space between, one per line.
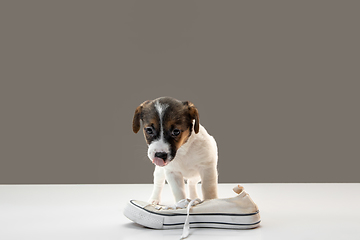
185 234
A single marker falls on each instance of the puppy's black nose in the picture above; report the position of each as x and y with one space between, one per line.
162 155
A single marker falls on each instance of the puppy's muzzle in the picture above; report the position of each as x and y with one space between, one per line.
160 159
162 155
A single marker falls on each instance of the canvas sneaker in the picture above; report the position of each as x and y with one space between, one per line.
239 212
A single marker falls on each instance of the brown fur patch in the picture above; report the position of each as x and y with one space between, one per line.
194 115
139 114
183 138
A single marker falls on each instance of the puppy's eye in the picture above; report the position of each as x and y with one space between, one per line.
176 132
149 130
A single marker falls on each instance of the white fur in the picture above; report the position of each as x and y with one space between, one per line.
159 145
196 160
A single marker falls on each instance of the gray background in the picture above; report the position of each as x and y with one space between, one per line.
276 83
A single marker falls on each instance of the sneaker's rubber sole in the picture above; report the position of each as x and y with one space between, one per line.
164 221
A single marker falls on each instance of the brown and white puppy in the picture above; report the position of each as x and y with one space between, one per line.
179 147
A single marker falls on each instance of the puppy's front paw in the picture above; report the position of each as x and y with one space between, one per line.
154 201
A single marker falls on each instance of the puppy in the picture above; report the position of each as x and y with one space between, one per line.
179 147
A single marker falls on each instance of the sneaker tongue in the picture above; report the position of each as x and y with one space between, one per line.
159 162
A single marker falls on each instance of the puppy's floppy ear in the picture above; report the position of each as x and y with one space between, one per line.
194 114
137 117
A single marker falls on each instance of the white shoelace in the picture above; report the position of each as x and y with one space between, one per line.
184 203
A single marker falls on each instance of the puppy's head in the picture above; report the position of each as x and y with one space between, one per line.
167 125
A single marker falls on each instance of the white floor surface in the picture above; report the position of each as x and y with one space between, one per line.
89 212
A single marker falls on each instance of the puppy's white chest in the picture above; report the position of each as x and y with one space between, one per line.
186 166
191 157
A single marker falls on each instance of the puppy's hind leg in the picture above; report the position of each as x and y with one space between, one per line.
159 181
